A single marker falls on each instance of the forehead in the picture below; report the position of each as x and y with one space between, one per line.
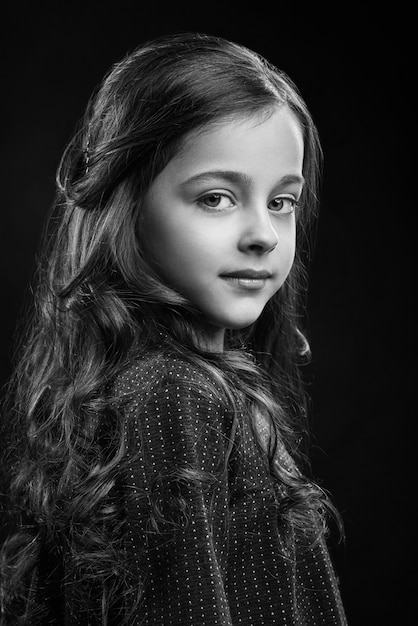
262 143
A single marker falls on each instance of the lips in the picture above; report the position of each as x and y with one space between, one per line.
247 281
249 274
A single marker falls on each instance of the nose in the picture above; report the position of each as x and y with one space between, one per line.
258 234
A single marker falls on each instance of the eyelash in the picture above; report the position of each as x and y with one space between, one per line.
293 202
204 206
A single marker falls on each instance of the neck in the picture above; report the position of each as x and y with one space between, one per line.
212 337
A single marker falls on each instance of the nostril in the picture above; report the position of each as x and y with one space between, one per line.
259 234
263 246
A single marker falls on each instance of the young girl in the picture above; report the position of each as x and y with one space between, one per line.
155 418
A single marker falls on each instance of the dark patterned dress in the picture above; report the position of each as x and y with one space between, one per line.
210 551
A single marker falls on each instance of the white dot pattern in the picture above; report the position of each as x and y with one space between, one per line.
229 564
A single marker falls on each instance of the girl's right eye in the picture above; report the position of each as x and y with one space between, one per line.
215 202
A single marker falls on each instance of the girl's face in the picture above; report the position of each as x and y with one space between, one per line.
218 223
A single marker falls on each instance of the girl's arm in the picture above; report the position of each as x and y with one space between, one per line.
176 499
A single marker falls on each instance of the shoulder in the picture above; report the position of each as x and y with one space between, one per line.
165 375
174 411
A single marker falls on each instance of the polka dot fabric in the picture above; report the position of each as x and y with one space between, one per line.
209 552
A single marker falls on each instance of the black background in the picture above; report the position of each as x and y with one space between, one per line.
353 68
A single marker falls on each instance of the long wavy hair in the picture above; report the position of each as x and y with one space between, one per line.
97 297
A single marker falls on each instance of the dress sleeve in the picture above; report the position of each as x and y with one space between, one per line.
179 436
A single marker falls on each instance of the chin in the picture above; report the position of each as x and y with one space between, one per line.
238 322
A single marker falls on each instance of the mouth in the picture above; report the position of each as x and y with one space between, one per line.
247 279
248 274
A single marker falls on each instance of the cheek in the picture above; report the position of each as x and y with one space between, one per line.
291 250
174 247
286 247
285 253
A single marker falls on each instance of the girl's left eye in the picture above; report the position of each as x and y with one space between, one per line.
283 204
215 201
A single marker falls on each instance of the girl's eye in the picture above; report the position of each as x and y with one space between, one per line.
215 201
283 204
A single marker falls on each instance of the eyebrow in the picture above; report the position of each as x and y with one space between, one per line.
238 178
